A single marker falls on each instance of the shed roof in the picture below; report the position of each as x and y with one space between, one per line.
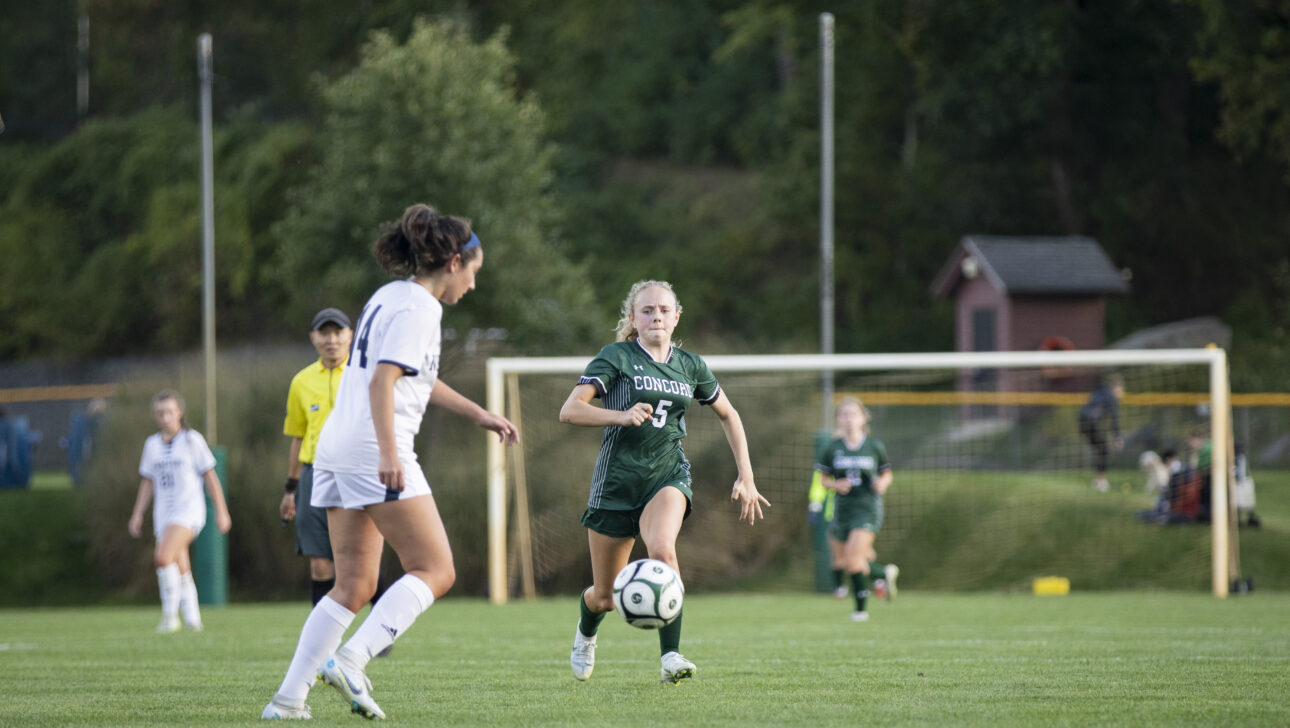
1030 266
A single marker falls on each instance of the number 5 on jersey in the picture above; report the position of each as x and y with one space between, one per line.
660 412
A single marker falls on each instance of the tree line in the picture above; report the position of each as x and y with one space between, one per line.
597 143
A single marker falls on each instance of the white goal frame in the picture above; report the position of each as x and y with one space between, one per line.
500 368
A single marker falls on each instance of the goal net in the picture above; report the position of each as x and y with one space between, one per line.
993 476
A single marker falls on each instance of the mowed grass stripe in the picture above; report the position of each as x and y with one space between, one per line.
784 659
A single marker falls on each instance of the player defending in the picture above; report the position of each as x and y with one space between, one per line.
855 466
366 472
175 463
309 400
641 483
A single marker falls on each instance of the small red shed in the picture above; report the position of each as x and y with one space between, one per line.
1025 293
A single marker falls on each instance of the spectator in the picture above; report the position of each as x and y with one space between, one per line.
1102 408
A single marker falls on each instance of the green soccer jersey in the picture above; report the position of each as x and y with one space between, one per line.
862 466
635 461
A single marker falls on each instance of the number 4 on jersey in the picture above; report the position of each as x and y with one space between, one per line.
360 342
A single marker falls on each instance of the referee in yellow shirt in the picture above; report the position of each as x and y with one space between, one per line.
309 401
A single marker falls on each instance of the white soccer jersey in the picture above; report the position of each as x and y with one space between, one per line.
399 325
176 469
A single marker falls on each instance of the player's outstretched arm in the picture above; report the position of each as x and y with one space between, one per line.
380 392
140 505
883 482
450 399
287 509
744 491
223 521
578 410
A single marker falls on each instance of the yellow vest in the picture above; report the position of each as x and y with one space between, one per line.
823 496
309 401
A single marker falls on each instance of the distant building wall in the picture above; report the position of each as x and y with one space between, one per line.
1034 319
972 296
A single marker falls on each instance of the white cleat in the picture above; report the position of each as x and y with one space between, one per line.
893 571
840 593
859 616
676 668
277 711
583 657
353 686
169 625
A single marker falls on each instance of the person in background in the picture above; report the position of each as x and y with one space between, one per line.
821 503
175 463
1103 409
310 399
855 465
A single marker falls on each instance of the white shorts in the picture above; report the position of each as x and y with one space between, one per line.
191 518
356 491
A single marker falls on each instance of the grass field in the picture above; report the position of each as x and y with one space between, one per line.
931 659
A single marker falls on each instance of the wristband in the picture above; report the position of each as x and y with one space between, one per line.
290 486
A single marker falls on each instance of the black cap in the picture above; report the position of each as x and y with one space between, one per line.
330 316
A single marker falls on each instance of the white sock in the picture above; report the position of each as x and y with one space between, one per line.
168 581
390 617
188 600
323 630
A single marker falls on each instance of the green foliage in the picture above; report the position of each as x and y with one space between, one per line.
102 234
437 120
1245 50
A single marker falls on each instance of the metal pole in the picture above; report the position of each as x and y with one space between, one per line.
826 214
208 233
83 59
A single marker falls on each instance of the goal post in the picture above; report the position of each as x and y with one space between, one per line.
1002 393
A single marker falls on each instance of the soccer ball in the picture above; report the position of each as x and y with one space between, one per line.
648 594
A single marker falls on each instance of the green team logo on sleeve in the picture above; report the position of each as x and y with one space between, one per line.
634 461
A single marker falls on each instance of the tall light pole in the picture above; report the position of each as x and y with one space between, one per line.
208 233
826 214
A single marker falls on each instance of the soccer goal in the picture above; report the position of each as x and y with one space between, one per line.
993 474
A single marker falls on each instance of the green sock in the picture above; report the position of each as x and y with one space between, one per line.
860 583
837 578
877 570
669 637
588 621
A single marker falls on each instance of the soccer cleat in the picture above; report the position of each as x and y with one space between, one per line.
353 686
194 626
1101 485
893 571
880 589
676 668
168 625
859 616
277 711
583 657
840 593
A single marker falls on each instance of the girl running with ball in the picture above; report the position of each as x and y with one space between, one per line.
641 483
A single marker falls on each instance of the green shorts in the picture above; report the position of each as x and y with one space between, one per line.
864 519
623 524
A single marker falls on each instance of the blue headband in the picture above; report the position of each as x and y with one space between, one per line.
472 243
